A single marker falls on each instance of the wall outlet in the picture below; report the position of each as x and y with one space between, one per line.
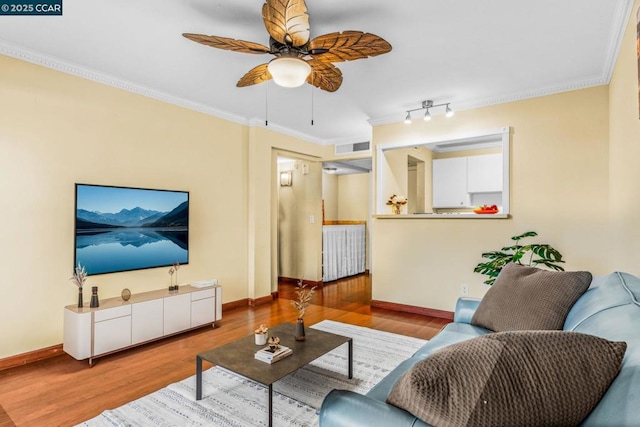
312 219
464 289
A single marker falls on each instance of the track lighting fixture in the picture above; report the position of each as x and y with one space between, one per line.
427 105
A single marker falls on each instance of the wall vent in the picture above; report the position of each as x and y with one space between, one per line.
353 147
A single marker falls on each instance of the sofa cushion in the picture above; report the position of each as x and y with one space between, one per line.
532 378
528 298
450 334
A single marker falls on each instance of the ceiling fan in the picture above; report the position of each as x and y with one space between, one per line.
297 58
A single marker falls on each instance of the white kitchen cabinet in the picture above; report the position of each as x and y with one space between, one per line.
484 173
147 321
450 183
117 324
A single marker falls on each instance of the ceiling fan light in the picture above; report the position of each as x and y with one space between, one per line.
407 120
449 111
289 72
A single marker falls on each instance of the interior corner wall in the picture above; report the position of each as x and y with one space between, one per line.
264 144
559 188
624 113
57 130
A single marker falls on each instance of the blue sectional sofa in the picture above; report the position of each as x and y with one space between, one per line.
609 309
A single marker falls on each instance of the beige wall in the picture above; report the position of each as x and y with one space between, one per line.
354 197
330 196
57 130
559 181
298 242
624 155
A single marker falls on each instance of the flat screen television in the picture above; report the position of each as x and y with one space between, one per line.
123 228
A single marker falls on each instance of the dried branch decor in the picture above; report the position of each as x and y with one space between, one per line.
303 298
79 276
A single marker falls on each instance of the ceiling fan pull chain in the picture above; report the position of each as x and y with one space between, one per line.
266 105
311 105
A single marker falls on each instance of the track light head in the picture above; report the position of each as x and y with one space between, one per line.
427 115
407 120
449 111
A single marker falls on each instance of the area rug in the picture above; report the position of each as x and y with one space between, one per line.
232 400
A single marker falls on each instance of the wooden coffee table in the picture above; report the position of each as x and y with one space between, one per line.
238 357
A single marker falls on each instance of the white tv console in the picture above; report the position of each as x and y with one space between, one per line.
148 316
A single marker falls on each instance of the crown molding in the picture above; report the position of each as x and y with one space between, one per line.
503 99
260 123
621 20
57 64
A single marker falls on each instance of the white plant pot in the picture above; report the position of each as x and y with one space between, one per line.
261 339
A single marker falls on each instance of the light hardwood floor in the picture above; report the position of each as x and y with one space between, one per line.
62 391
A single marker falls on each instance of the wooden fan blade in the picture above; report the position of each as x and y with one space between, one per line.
228 44
287 21
324 75
255 76
347 46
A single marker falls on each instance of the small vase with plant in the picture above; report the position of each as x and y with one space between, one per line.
396 203
302 301
79 277
532 255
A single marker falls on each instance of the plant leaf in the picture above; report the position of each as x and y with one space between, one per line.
523 235
495 254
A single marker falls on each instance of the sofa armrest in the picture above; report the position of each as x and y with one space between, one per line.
343 408
465 307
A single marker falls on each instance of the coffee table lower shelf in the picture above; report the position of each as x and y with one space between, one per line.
238 357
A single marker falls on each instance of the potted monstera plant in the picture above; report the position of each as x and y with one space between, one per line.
534 255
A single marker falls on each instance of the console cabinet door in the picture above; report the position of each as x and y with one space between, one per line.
147 321
111 329
177 313
202 307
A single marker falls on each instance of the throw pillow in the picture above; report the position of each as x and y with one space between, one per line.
523 378
528 298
